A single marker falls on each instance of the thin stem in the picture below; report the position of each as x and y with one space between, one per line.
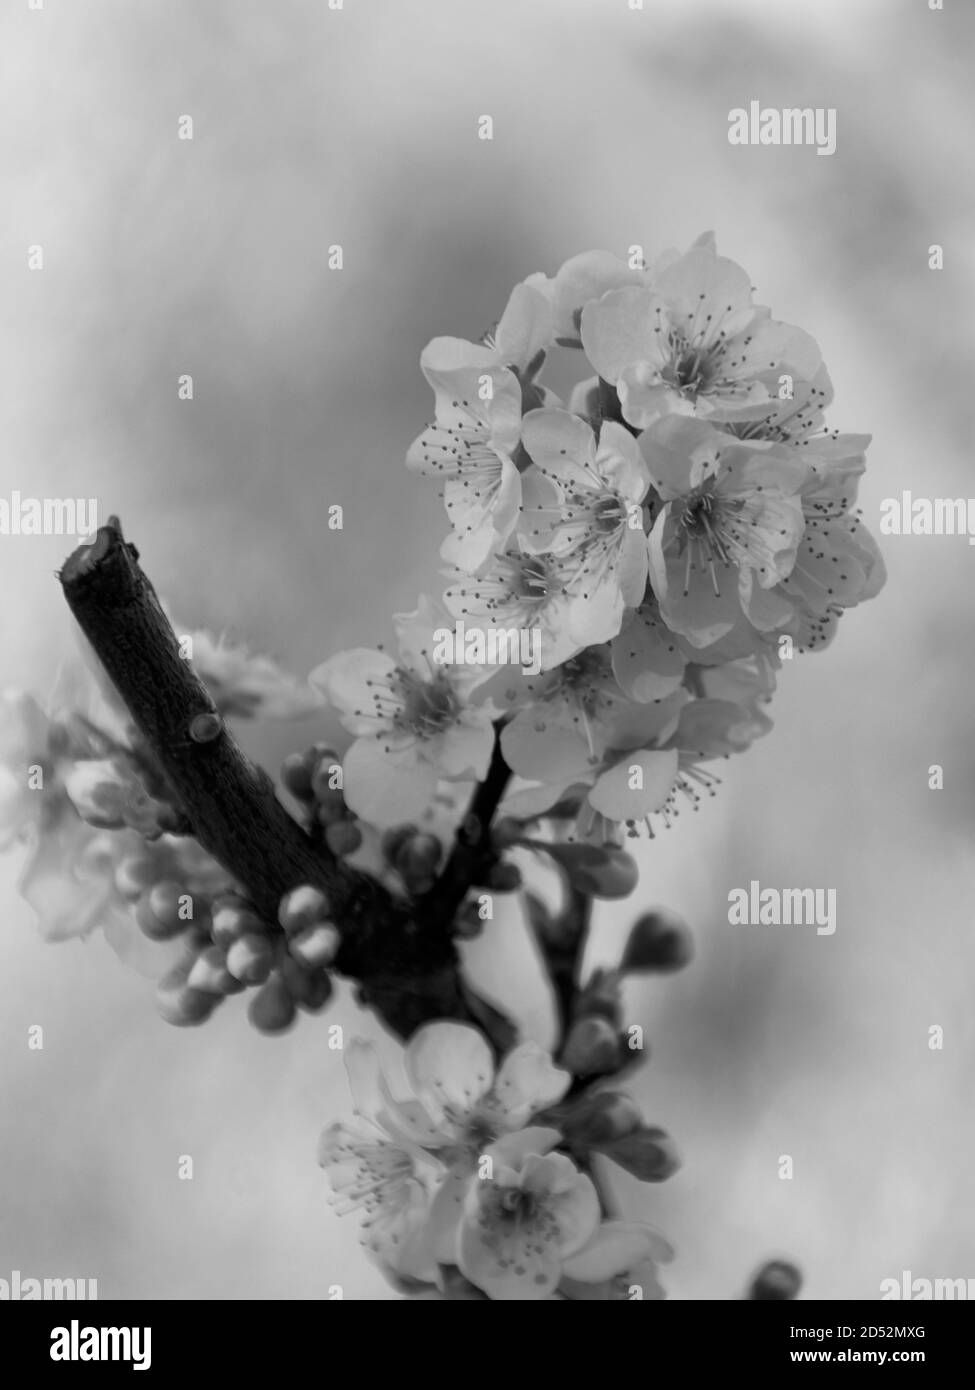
472 853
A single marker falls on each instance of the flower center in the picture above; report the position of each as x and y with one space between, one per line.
534 579
708 522
609 513
518 1205
690 369
428 706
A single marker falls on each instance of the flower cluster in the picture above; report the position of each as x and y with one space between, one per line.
672 534
625 572
463 1187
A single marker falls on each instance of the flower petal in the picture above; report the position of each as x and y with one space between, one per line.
387 786
615 1248
626 327
526 327
451 1063
528 1081
647 661
345 681
613 797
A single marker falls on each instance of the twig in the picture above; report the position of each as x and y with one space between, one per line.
407 975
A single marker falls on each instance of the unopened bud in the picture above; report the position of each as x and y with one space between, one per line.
179 1003
648 1153
331 812
322 778
343 837
310 989
296 777
777 1280
418 858
601 871
250 958
158 911
272 1009
302 907
601 998
315 946
592 1048
659 941
601 1117
393 841
232 919
468 923
504 878
209 973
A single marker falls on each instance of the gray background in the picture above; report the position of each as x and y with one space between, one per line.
209 257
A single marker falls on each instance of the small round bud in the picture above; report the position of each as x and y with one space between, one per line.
418 856
777 1280
272 1009
310 989
323 777
209 973
648 1153
601 998
232 920
179 1003
344 837
204 728
592 1048
393 841
331 812
169 899
302 907
468 923
250 958
604 1116
296 777
504 878
603 871
316 946
319 753
660 942
157 911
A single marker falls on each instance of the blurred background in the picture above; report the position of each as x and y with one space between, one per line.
314 127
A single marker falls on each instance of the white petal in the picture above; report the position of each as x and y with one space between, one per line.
528 1081
452 1063
387 788
614 797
